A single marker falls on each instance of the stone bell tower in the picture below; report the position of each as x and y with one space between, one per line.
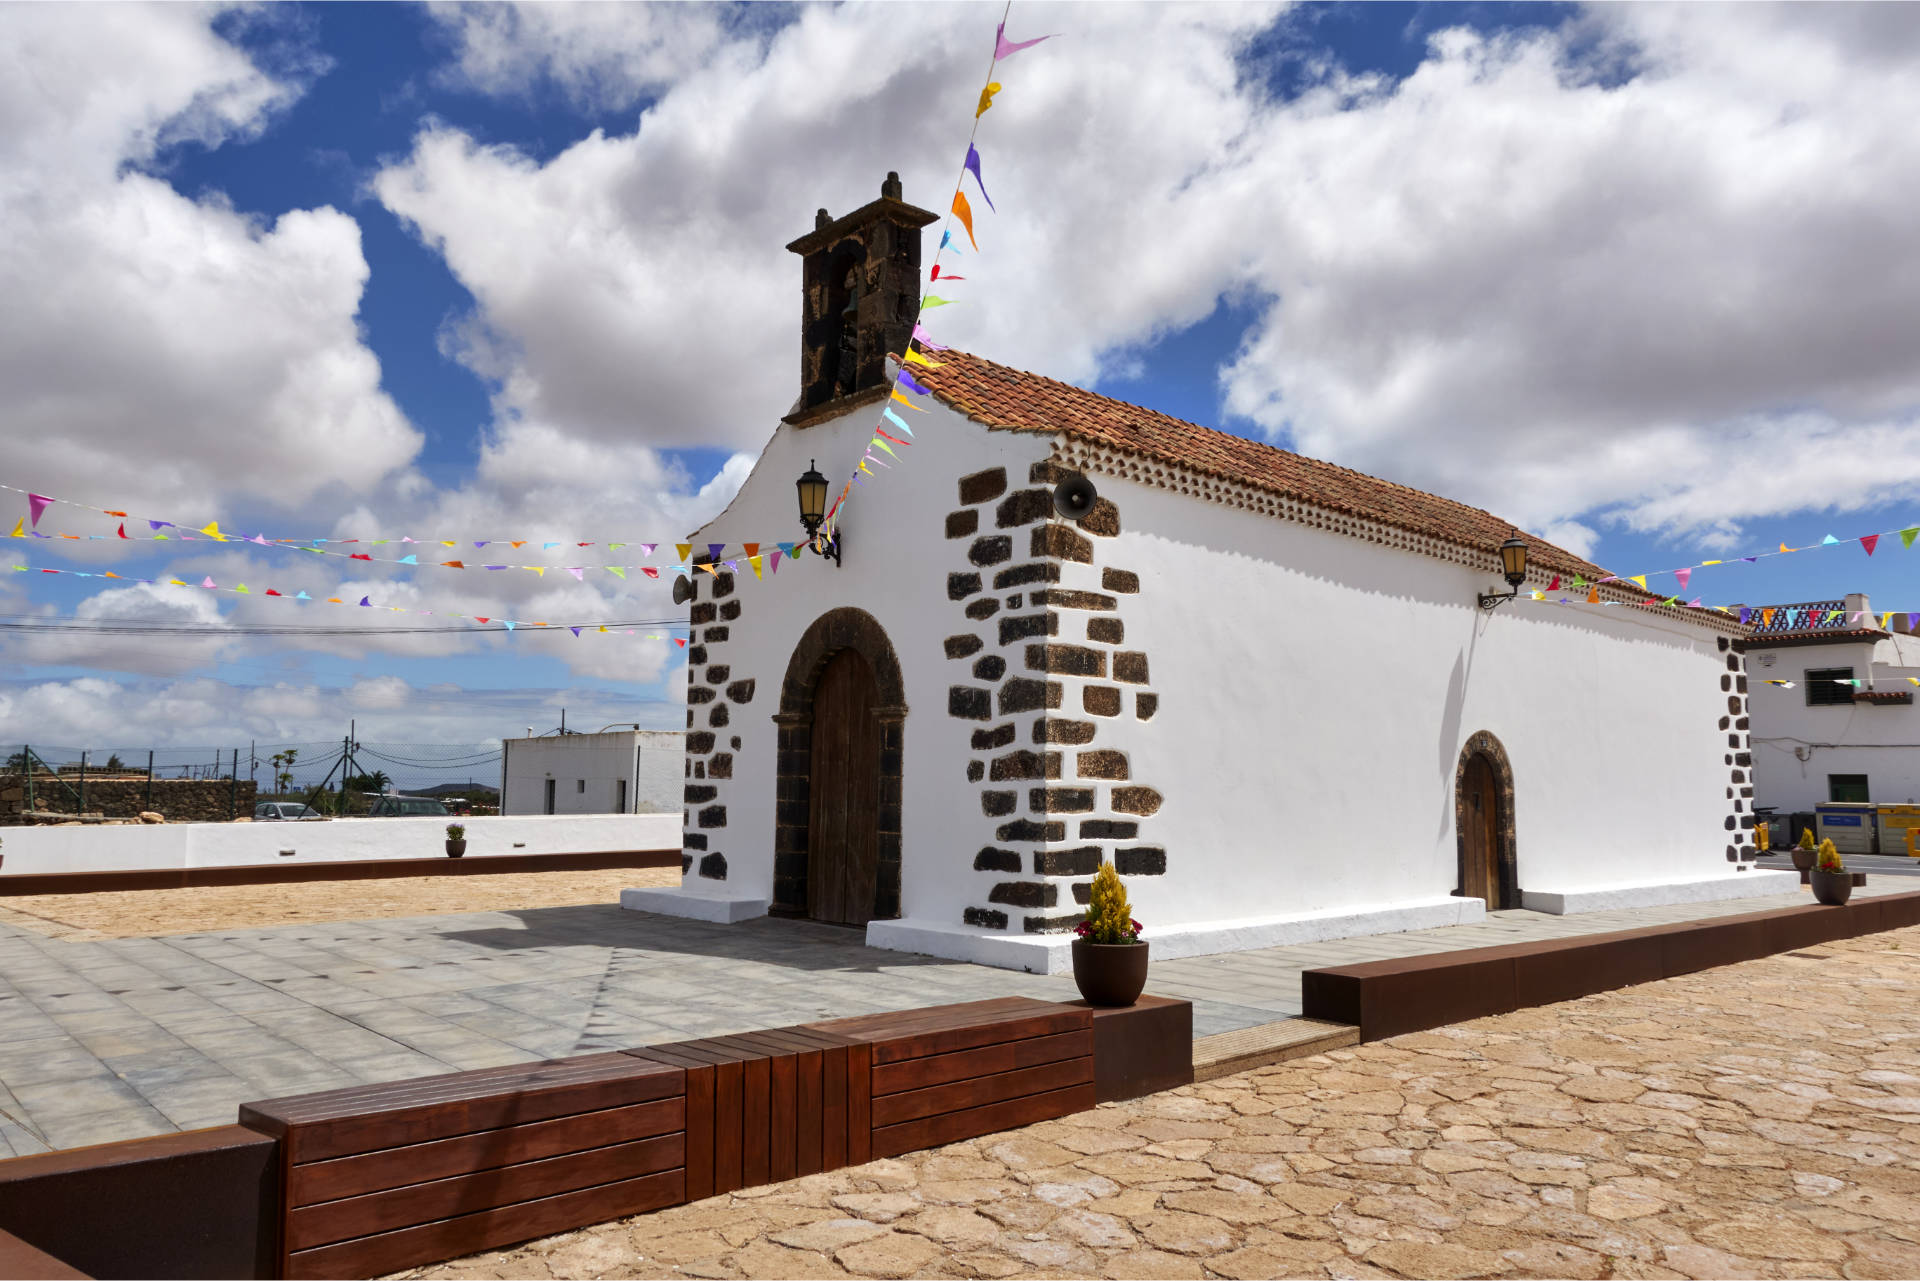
860 290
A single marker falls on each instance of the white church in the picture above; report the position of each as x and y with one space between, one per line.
1285 699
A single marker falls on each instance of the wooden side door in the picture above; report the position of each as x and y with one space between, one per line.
843 828
1482 876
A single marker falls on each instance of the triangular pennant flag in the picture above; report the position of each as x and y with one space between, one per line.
986 98
1683 575
1004 48
773 559
714 550
1913 622
1642 580
544 546
213 531
479 619
1766 618
1593 596
363 601
618 571
574 630
454 564
940 275
1785 548
753 563
207 581
883 445
973 163
578 571
646 549
358 556
1870 542
681 641
1554 586
908 403
37 503
1907 536
888 414
650 571
541 570
912 384
123 529
964 212
303 596
20 528
895 439
1828 539
752 549
915 358
409 559
685 549
242 588
508 622
925 339
787 548
1745 614
931 301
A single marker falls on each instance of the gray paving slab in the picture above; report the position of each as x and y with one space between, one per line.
114 1038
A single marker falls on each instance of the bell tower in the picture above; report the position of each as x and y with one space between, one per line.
860 290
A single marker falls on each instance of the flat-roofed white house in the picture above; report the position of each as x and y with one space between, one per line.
1262 685
616 771
1818 736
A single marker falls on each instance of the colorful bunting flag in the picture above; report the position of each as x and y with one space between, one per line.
964 212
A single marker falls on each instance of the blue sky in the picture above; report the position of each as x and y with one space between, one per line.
1533 257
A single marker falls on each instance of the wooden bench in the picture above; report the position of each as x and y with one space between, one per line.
767 1106
956 1072
384 1177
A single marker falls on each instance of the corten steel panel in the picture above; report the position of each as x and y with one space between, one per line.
1415 993
1142 1049
1548 972
1695 946
205 1203
22 1262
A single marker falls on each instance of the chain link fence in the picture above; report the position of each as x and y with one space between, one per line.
45 783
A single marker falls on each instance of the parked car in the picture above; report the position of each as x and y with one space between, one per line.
406 807
270 811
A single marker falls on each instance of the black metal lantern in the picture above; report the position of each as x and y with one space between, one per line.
1513 565
813 511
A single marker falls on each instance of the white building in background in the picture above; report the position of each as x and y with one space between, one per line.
1822 741
612 772
1260 684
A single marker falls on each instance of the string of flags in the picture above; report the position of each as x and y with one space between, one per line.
1748 615
907 391
1838 680
1684 574
365 602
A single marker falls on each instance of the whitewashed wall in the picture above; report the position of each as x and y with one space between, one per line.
895 561
587 770
131 847
1881 742
1316 692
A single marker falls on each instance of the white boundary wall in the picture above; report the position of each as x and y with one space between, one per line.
141 847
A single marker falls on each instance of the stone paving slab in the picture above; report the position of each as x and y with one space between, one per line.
1756 1120
175 1031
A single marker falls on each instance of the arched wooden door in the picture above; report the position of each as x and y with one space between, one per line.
843 828
1480 835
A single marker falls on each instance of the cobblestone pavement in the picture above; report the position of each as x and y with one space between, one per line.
155 913
1758 1120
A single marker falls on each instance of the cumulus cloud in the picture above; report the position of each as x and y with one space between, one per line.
163 350
1574 275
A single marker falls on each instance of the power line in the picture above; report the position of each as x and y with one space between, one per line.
137 627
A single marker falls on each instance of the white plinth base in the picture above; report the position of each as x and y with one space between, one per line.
1603 898
722 909
1053 953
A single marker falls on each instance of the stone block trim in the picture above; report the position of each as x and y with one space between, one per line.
697 694
983 486
741 691
1053 924
730 610
1140 860
1106 802
1066 660
714 867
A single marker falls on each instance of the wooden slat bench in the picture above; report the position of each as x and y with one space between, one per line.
957 1072
384 1177
767 1106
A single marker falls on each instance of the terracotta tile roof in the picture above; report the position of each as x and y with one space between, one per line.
1013 400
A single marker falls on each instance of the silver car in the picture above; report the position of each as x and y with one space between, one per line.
270 811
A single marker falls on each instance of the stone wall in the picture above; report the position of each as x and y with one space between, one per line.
714 698
181 800
1739 754
1049 679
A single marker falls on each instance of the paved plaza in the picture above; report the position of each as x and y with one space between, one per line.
113 1038
1756 1120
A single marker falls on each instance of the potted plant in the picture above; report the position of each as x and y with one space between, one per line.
1109 958
1804 855
456 840
1832 883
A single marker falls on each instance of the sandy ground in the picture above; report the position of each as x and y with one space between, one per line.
143 913
1758 1120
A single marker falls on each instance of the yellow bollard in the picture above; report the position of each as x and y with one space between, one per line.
1913 842
1762 835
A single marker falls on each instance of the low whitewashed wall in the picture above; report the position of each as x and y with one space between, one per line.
129 847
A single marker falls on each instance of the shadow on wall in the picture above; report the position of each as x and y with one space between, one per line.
1450 733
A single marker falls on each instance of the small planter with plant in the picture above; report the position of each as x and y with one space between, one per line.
456 840
1804 854
1109 956
1832 882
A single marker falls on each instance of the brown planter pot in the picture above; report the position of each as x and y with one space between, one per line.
1832 888
1803 860
456 848
1109 973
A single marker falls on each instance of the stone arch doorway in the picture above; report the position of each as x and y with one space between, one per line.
836 854
1483 823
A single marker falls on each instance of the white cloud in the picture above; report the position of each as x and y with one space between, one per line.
1562 297
160 350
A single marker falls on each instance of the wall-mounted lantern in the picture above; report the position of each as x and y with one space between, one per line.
1513 562
813 512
